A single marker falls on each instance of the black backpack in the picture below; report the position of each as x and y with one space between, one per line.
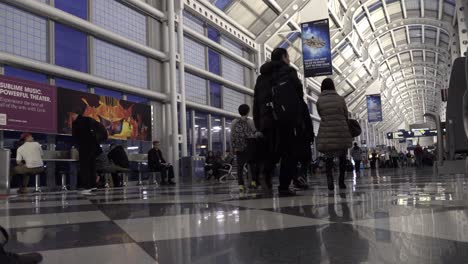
285 104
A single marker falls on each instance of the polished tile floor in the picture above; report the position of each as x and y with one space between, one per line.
388 216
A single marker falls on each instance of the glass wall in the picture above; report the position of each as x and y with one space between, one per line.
216 134
201 133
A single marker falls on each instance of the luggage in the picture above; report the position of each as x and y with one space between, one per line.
354 128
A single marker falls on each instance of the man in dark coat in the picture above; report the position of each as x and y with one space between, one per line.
88 134
279 140
156 163
119 157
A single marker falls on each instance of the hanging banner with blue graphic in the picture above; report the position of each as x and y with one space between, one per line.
316 48
374 108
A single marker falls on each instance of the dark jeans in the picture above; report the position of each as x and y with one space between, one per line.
395 162
330 164
287 171
241 161
167 173
357 166
87 172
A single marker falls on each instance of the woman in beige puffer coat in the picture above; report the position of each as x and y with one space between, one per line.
334 138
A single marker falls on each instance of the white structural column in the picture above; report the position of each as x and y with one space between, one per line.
174 136
183 108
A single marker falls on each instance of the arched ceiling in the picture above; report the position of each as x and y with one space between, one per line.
402 46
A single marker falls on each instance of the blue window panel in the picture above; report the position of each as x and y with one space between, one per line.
213 34
78 8
71 48
222 4
214 62
26 75
215 94
136 99
106 92
22 33
63 83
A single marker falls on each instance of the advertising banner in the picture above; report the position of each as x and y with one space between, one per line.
122 119
374 108
27 106
316 48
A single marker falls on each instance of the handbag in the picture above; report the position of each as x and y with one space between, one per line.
354 128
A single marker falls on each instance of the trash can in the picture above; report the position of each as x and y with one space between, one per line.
5 171
192 169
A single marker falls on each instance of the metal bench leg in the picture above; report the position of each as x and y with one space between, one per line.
124 179
140 181
106 178
37 184
64 182
154 181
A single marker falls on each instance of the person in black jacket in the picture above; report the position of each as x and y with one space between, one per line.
156 163
279 141
88 134
305 138
119 157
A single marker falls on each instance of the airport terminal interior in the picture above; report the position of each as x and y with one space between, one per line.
167 77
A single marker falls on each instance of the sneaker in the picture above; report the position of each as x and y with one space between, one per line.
171 183
87 191
241 188
12 258
22 190
253 185
301 185
286 192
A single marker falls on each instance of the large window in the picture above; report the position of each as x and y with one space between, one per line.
71 48
215 94
78 8
71 85
201 133
25 75
227 124
216 134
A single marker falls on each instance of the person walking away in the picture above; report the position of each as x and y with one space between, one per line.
277 115
305 138
334 137
157 163
387 157
29 161
418 154
242 129
394 155
356 154
88 134
374 157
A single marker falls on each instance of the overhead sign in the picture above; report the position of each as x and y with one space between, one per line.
374 108
27 106
412 134
316 48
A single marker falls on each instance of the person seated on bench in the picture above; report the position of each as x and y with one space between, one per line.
105 165
119 157
29 160
157 163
